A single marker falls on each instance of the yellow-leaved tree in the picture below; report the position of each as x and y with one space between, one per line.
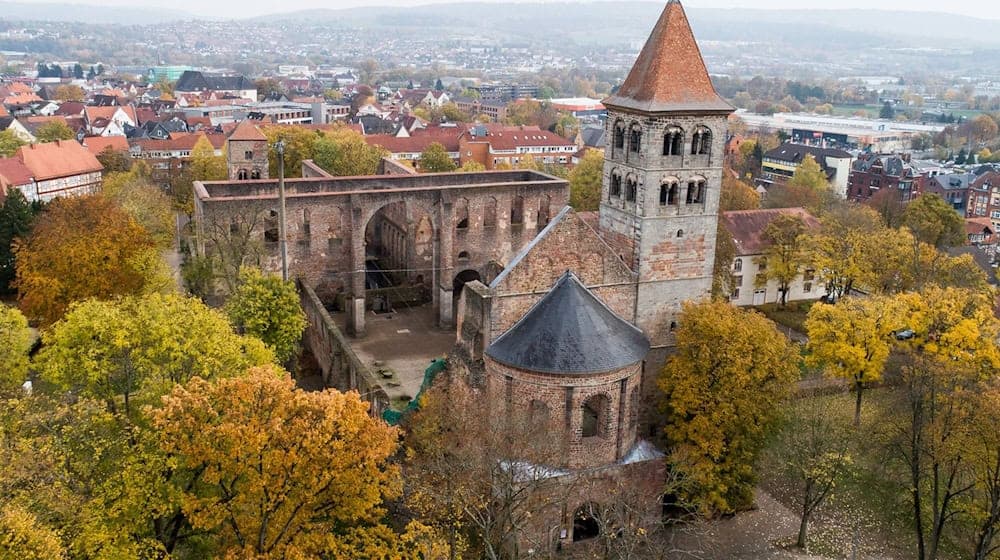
285 473
15 342
784 257
722 388
585 181
24 537
852 340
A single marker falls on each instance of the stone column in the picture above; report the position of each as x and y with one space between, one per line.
446 272
356 299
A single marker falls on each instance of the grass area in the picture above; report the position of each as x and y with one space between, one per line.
792 316
870 508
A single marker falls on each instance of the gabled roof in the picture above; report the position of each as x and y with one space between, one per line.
669 75
97 144
14 173
747 226
247 131
570 331
62 158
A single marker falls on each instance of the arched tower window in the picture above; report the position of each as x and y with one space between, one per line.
630 188
701 142
595 416
634 139
242 175
616 183
255 174
668 193
619 140
673 140
695 192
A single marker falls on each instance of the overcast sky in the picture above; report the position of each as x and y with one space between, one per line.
237 8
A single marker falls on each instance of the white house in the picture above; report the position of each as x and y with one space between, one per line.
747 228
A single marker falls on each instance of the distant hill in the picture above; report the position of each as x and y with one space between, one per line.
87 13
612 22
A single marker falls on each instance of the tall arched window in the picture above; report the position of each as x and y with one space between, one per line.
673 140
630 188
242 175
616 184
595 416
664 189
255 174
634 139
701 142
619 135
668 193
695 192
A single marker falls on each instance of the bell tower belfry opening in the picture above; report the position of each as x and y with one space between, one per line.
666 130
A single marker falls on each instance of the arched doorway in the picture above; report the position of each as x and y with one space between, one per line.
461 279
585 525
399 252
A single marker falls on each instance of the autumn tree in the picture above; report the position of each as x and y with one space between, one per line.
725 254
463 471
838 252
809 174
585 181
934 221
813 449
722 390
205 166
84 247
852 340
737 195
9 142
114 161
952 349
138 347
134 192
15 343
24 537
54 130
69 92
435 159
16 218
267 87
471 166
981 442
889 205
299 145
783 258
289 492
268 308
344 153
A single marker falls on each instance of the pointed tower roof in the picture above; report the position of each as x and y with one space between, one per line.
247 130
669 75
570 331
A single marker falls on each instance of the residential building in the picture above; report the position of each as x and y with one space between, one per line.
780 163
871 173
60 168
495 110
494 145
579 106
505 92
109 120
193 81
747 228
954 188
407 146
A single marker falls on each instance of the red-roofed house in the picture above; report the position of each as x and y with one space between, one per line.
495 145
109 121
747 228
97 144
13 175
408 147
61 168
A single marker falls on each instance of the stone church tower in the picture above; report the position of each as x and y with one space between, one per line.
246 152
666 130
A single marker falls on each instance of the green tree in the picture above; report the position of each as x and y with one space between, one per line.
784 256
299 144
268 308
9 143
133 350
935 222
435 159
54 130
809 174
16 218
887 111
852 340
722 389
585 182
25 537
321 476
84 247
15 343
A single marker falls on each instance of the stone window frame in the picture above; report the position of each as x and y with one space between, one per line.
635 137
673 141
701 141
615 188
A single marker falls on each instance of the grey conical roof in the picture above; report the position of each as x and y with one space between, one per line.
570 331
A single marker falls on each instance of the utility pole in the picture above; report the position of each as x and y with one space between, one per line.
279 146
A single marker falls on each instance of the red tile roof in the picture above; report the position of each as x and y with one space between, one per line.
508 138
62 158
13 172
747 226
97 144
418 142
670 74
247 130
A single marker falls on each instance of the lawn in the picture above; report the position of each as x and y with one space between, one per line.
792 316
870 509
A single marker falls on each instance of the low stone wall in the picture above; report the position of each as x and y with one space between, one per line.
389 167
341 367
311 170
